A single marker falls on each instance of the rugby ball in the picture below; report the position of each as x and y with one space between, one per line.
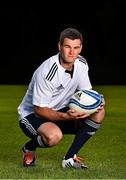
87 101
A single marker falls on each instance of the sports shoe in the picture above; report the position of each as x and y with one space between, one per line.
28 157
74 162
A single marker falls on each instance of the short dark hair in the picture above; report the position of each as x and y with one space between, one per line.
70 33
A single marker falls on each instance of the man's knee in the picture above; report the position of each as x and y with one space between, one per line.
98 116
50 133
53 138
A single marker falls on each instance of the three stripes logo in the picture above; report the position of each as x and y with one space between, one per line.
69 165
52 72
82 59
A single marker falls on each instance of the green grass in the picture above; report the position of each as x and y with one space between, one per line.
105 153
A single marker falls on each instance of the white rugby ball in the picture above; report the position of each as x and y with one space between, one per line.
87 101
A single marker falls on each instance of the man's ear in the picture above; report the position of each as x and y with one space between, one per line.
59 46
81 48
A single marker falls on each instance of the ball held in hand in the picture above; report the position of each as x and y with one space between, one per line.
87 101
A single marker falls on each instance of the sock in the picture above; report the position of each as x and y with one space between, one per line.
34 143
82 136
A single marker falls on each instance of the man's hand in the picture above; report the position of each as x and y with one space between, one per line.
73 114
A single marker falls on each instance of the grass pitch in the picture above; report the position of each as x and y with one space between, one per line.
105 152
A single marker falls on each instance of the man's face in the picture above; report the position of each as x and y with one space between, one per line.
70 49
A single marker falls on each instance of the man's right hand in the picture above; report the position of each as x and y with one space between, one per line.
73 114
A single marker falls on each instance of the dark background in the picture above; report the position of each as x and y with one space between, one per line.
30 35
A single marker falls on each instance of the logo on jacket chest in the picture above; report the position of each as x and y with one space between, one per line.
60 87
